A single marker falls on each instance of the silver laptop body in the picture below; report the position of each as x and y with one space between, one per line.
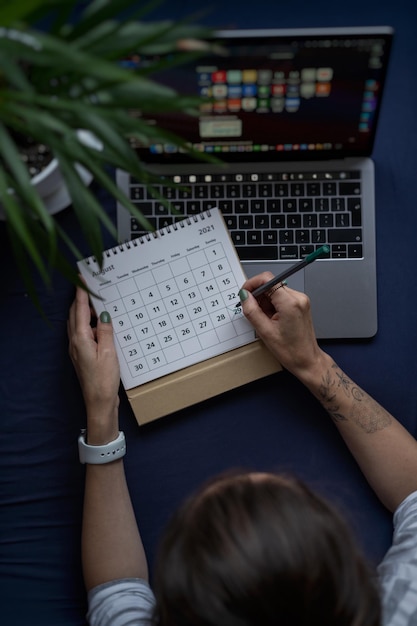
293 117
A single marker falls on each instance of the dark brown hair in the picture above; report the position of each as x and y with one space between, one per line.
261 550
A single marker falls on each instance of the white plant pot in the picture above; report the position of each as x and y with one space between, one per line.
50 183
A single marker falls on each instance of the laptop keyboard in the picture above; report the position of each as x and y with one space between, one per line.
282 216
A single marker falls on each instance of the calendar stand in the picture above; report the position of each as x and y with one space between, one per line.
201 381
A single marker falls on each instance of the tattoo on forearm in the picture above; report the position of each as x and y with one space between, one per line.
363 410
327 393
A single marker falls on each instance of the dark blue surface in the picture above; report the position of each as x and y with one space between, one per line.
270 424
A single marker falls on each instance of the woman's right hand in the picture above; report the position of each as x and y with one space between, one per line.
283 322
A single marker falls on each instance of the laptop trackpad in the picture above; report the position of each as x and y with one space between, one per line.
296 281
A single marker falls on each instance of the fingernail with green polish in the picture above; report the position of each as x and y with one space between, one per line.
243 295
105 317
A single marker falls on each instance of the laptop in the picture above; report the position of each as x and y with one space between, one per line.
292 115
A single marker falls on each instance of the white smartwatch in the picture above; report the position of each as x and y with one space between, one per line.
98 455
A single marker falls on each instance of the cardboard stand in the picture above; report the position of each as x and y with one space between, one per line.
201 381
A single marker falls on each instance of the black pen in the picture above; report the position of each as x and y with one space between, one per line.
292 270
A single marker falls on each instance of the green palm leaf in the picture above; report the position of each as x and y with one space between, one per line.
66 76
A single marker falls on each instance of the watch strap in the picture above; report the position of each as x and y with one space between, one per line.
98 455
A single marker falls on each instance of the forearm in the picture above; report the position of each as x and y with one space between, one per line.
111 544
384 450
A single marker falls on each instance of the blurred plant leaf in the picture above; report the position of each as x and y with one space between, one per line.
61 71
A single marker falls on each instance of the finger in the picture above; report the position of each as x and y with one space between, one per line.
79 316
82 311
287 297
104 332
254 313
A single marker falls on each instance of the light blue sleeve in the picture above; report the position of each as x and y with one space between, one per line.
397 572
120 603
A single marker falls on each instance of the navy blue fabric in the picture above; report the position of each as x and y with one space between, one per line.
272 424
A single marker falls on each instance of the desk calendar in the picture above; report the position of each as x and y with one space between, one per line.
171 296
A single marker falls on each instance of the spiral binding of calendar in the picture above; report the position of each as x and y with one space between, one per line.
134 243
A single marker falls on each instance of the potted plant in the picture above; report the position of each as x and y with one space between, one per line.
65 108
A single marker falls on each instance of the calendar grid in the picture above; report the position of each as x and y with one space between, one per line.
175 310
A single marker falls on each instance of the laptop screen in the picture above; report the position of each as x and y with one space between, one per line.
279 95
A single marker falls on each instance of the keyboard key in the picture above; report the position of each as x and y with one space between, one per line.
263 253
305 251
262 222
238 237
163 222
318 236
270 237
310 220
179 207
249 191
321 204
145 207
337 204
339 252
355 251
217 191
257 206
265 190
302 236
137 193
286 236
313 189
349 189
231 221
245 222
297 189
305 205
225 206
273 206
355 208
344 235
254 237
160 209
193 207
326 220
208 204
329 189
278 221
170 193
282 190
233 191
342 220
288 253
289 205
294 221
241 206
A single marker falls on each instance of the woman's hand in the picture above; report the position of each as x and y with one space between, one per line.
95 360
282 319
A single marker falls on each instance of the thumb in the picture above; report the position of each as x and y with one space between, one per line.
104 331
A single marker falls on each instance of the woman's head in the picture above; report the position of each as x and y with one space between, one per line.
259 549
